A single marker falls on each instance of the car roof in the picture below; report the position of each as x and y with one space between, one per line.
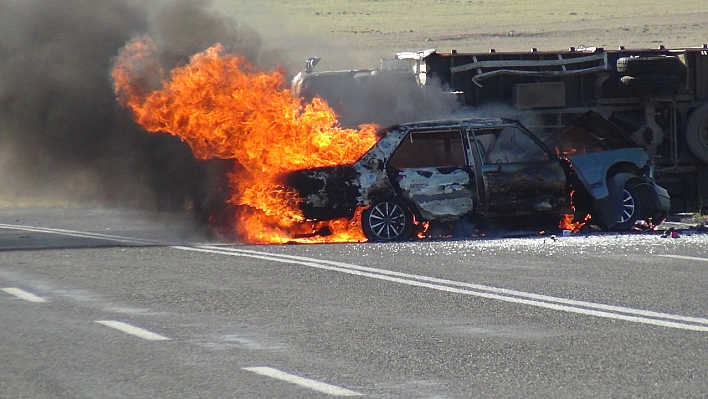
453 123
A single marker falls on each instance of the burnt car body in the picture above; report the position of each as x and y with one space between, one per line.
450 170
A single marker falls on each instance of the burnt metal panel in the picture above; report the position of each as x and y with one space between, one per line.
327 193
524 188
443 194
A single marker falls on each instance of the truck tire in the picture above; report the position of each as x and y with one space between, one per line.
697 132
654 65
656 84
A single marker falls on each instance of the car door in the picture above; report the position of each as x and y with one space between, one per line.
430 169
520 176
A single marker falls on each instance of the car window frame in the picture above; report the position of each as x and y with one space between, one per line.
484 155
431 130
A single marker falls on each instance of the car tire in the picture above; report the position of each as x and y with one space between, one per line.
697 132
631 207
652 65
387 220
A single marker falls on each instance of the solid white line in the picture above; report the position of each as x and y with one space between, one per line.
543 301
502 294
127 328
304 382
682 257
81 234
24 295
478 287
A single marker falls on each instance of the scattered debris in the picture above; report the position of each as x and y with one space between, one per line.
670 233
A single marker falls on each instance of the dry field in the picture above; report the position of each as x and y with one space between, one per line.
354 33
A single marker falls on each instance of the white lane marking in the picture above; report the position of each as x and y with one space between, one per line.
22 294
502 294
503 291
304 382
682 257
128 329
82 234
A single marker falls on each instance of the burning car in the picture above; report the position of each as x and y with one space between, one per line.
477 169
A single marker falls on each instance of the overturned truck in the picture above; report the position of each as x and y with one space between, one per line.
658 97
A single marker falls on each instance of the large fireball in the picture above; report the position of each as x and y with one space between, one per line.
225 108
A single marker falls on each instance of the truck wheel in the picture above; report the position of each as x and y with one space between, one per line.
651 83
631 208
387 220
653 65
697 132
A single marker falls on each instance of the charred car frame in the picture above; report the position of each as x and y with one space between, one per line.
479 169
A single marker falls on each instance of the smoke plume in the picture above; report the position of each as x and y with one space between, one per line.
64 136
62 133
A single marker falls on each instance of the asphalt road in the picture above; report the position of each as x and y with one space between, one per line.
105 303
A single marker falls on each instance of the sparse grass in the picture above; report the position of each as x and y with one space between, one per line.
431 14
475 25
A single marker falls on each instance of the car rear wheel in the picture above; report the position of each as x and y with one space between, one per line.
387 220
631 208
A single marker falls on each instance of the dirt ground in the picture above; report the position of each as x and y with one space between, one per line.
356 33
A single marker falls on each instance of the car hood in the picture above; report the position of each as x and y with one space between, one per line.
592 168
589 133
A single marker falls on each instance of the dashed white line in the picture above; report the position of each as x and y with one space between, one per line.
137 331
22 294
304 382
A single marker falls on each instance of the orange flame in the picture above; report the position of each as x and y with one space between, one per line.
568 221
224 108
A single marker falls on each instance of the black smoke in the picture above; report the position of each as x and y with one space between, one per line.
62 133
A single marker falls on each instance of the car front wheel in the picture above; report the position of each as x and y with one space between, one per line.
631 208
387 220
